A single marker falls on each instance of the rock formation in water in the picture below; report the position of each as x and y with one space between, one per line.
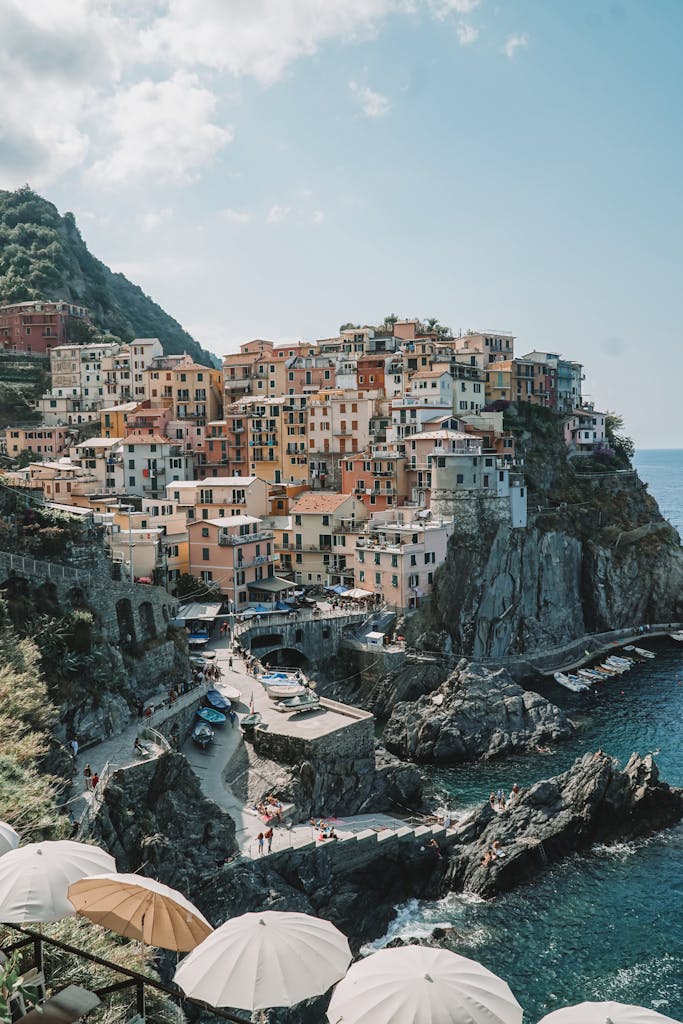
593 802
474 713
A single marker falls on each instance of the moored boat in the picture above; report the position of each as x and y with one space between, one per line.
283 691
306 702
571 682
216 700
203 735
211 716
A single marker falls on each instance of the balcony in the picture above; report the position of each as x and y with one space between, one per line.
228 540
257 560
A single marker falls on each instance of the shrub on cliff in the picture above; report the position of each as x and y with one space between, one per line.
29 802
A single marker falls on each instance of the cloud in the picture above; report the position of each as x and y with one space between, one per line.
518 41
234 216
443 8
318 216
276 214
373 104
152 219
257 38
164 131
467 34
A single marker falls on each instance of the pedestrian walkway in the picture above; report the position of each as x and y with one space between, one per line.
119 751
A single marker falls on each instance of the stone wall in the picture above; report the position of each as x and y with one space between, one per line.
355 740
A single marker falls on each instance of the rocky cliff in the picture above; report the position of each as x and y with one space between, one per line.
593 802
596 555
155 817
474 713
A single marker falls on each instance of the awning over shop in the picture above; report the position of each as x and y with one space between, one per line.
338 589
271 585
198 611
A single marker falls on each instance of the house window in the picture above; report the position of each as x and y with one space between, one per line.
378 578
394 581
205 554
205 531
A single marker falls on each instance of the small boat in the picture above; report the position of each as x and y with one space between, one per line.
677 636
202 735
211 716
640 651
306 702
250 721
571 682
274 678
620 661
232 693
284 691
198 639
590 675
216 700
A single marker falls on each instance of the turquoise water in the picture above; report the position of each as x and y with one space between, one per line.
609 924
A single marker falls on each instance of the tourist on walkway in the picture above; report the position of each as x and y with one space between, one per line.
138 747
492 801
435 847
260 843
232 716
230 662
94 780
87 774
73 744
269 837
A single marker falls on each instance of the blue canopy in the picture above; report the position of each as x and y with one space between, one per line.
338 589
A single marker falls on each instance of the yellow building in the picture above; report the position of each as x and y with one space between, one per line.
114 419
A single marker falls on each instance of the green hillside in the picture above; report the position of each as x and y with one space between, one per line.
42 255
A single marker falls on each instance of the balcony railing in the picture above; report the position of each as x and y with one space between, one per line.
257 560
232 539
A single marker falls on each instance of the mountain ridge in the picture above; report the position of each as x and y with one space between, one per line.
43 256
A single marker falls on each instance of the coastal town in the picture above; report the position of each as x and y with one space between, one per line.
342 464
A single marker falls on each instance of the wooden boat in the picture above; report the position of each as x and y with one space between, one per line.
203 735
215 699
212 717
232 693
677 636
306 702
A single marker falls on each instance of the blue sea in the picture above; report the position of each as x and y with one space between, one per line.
607 925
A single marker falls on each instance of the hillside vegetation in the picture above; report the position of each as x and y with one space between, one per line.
42 255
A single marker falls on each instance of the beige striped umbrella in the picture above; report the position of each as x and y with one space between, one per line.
140 908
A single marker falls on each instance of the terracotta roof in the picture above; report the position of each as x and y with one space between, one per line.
148 439
318 501
429 373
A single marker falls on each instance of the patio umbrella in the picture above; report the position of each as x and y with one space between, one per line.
606 1013
263 960
422 985
357 594
34 879
9 839
140 908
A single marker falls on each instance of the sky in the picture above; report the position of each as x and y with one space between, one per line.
274 168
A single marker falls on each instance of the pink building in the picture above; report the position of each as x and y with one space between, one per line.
51 441
397 556
236 554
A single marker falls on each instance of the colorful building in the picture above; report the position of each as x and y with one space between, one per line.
38 326
236 554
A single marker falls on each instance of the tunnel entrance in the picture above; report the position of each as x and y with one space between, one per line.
285 657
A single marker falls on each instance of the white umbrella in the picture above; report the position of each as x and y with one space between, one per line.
9 839
140 908
34 879
422 985
357 593
606 1013
264 960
